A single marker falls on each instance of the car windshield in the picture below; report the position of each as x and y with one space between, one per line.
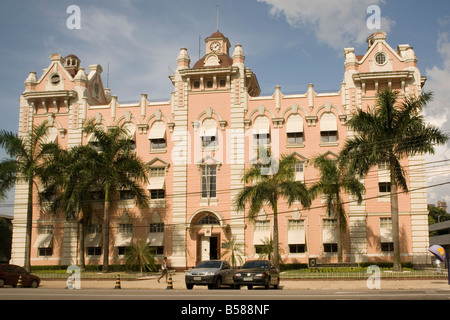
256 264
209 264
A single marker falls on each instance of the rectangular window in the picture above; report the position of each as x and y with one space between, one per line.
125 228
46 229
387 247
157 172
159 250
209 141
122 251
156 228
383 165
158 144
329 235
97 196
209 177
384 187
222 83
261 140
157 194
297 248
259 249
298 167
328 136
196 85
386 223
94 251
94 228
294 138
262 225
45 252
330 247
125 195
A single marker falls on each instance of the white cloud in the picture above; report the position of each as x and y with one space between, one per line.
437 113
335 23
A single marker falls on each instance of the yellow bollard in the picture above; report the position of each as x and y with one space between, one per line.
69 283
19 282
169 283
118 282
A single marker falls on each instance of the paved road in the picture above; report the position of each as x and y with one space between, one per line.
222 294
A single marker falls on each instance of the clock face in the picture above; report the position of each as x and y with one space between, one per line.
215 46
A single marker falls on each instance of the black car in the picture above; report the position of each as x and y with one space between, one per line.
10 274
211 273
257 273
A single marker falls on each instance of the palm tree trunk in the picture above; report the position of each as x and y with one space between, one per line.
27 262
81 242
395 226
275 235
105 267
340 241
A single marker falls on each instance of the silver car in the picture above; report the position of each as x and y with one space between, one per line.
211 273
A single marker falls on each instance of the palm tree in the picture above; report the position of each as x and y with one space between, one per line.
269 187
234 251
29 155
142 255
267 250
118 168
334 178
69 188
391 132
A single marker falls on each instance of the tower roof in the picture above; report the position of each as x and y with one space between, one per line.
217 34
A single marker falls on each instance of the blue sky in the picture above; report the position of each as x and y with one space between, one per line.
286 42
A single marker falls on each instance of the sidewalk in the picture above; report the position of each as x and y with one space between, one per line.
286 284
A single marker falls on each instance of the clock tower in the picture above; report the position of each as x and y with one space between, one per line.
217 43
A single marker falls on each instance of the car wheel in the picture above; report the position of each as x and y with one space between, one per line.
218 283
267 286
250 287
189 286
2 283
34 284
277 286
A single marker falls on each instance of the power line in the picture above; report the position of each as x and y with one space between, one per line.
287 211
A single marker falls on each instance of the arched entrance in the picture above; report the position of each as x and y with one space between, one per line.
206 230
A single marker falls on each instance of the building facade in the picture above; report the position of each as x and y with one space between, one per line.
198 144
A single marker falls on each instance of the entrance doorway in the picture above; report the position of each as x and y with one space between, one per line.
209 248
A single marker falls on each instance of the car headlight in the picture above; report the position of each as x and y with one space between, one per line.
260 275
238 275
209 273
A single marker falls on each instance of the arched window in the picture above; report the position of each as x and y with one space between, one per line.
157 136
208 133
261 131
129 132
208 219
328 128
294 130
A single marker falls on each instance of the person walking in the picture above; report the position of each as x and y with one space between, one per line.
164 270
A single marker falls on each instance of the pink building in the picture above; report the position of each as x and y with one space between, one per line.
200 141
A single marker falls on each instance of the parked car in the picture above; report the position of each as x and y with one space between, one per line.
10 273
257 273
212 273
